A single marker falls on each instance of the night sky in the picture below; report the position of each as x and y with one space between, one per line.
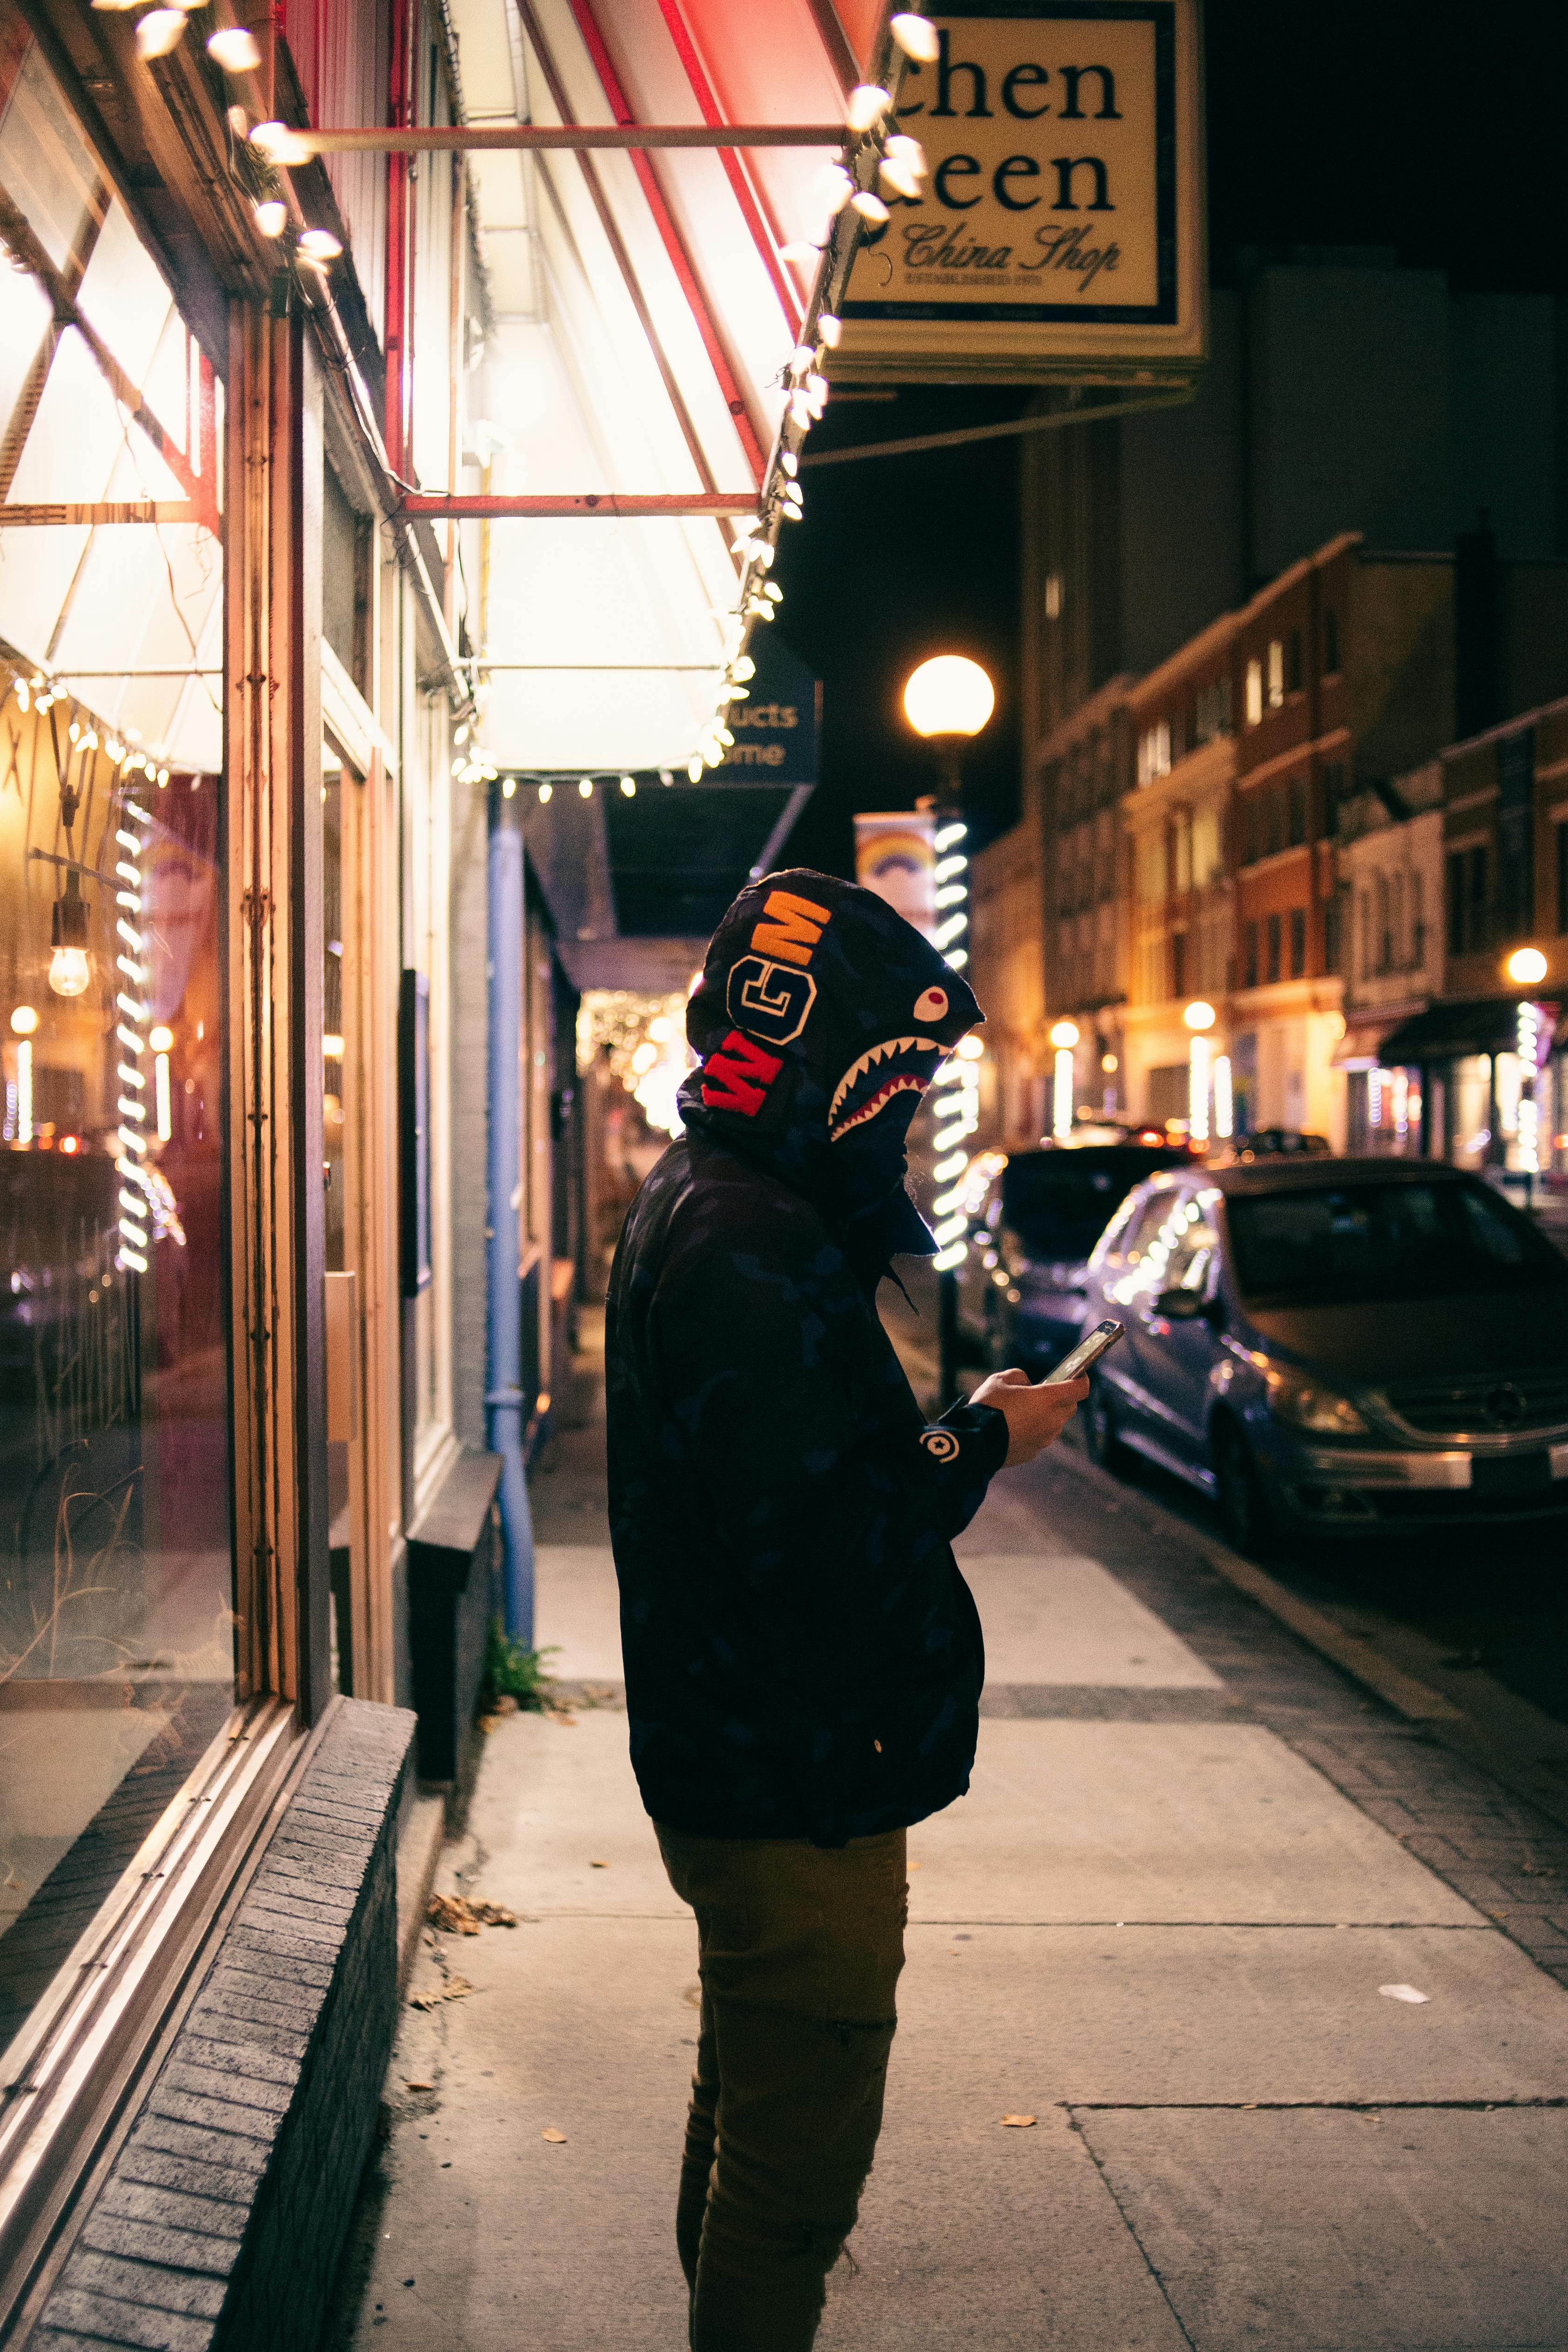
1431 129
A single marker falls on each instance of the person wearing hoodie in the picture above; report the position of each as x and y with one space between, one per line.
803 1660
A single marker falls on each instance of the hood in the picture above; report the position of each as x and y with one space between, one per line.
821 1018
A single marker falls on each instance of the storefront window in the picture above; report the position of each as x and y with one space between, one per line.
116 1584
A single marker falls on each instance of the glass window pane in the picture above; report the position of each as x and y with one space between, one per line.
45 165
116 1626
125 300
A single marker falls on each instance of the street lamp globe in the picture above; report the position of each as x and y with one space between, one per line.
1199 1016
1064 1034
1527 967
949 695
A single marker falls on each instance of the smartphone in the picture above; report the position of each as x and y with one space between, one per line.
1088 1351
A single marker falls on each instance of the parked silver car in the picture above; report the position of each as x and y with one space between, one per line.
1335 1345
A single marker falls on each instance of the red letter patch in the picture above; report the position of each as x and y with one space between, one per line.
738 1076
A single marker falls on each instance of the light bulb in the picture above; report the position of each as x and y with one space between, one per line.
279 144
158 31
70 969
917 37
161 1039
869 207
586 788
830 329
1526 966
320 245
865 105
234 49
24 1021
628 787
544 793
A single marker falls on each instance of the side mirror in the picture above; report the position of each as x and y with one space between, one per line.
1181 1305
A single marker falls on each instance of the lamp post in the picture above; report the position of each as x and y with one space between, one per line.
1064 1037
948 699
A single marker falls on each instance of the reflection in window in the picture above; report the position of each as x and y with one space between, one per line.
116 1591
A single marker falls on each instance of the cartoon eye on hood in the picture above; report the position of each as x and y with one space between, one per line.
930 1004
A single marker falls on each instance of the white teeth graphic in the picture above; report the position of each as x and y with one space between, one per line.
869 1059
907 1084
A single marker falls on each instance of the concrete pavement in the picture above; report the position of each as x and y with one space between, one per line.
1153 1925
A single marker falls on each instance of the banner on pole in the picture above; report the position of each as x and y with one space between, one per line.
895 855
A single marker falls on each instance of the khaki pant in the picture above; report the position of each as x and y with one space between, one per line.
799 1951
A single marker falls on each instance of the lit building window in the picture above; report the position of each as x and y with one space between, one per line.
1154 751
1253 692
1276 673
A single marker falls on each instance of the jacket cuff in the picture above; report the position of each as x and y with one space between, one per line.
982 1433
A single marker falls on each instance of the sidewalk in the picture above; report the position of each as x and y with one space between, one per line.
1158 1923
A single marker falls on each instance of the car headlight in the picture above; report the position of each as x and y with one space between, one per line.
1306 1404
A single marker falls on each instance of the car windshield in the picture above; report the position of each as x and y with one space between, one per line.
1059 1202
1350 1242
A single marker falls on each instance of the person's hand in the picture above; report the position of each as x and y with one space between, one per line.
1035 1414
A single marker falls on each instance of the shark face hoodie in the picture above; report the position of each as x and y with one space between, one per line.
803 1658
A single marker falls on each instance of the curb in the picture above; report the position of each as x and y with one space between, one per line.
1350 1651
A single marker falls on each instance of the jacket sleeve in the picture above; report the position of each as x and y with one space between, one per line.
814 1476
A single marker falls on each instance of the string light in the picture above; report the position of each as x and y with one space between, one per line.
847 194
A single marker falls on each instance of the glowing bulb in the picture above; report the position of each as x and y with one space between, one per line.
869 207
544 793
1526 966
24 1021
234 49
628 787
161 1039
278 143
69 971
158 31
271 217
831 330
1199 1016
318 245
949 695
1064 1036
586 788
917 37
865 105
799 248
508 788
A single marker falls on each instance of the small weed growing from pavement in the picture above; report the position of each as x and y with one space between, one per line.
512 1672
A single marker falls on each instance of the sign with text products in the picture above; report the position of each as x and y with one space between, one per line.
776 726
1061 234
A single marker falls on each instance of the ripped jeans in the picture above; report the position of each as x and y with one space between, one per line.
799 1950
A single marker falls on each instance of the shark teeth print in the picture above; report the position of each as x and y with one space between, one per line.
907 1084
875 1054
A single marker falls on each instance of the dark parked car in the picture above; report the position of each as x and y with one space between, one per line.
1335 1345
1278 1143
1021 1290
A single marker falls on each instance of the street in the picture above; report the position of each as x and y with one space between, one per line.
1272 1971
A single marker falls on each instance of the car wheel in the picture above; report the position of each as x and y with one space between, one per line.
1100 1441
1243 1504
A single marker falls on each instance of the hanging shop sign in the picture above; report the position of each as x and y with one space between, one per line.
775 728
1059 236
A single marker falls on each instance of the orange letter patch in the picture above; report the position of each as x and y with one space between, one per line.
738 1076
796 927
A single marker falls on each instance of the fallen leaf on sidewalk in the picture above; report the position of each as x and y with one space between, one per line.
1020 2123
551 2134
418 2086
458 1917
598 1866
457 1989
914 1866
1403 1992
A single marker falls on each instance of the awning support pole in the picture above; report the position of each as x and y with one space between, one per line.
504 1402
591 505
570 137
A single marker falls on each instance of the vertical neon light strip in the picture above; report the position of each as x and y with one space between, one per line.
132 1102
1224 1102
160 1099
1062 1093
1528 1041
24 1091
1198 1090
